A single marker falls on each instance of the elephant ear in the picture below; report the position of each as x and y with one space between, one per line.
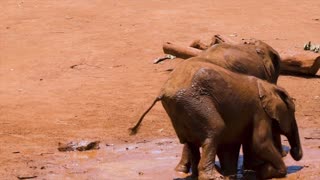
272 100
269 101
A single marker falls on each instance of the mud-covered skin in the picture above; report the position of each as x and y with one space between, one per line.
203 100
254 58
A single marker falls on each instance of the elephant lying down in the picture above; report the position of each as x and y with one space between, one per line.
218 110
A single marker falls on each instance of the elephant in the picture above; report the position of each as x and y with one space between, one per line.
254 58
218 110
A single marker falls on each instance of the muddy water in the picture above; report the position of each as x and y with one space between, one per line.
150 160
142 160
154 159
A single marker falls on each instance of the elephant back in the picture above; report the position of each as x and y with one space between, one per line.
254 58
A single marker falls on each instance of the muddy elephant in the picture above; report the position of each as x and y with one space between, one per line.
254 58
218 110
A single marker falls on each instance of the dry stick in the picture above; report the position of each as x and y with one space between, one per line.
26 177
195 48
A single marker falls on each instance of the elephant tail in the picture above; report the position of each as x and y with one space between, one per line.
135 129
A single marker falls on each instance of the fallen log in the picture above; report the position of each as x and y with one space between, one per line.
292 62
195 47
180 51
299 62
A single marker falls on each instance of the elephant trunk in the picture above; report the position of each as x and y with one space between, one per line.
294 141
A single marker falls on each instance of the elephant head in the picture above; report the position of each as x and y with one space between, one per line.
279 106
271 59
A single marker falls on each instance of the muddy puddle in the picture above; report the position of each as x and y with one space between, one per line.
154 159
141 160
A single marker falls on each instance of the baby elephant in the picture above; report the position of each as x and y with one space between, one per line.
218 110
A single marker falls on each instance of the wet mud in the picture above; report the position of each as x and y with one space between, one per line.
154 159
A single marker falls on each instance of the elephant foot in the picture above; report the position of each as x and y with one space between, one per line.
184 168
211 175
267 171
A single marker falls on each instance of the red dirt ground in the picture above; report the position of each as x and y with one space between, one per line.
83 70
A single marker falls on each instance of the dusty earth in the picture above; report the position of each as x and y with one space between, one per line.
83 70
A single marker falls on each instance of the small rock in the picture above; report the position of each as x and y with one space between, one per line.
90 146
141 173
81 146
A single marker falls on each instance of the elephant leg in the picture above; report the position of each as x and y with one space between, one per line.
249 160
206 165
228 156
263 169
194 157
273 167
265 149
185 162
